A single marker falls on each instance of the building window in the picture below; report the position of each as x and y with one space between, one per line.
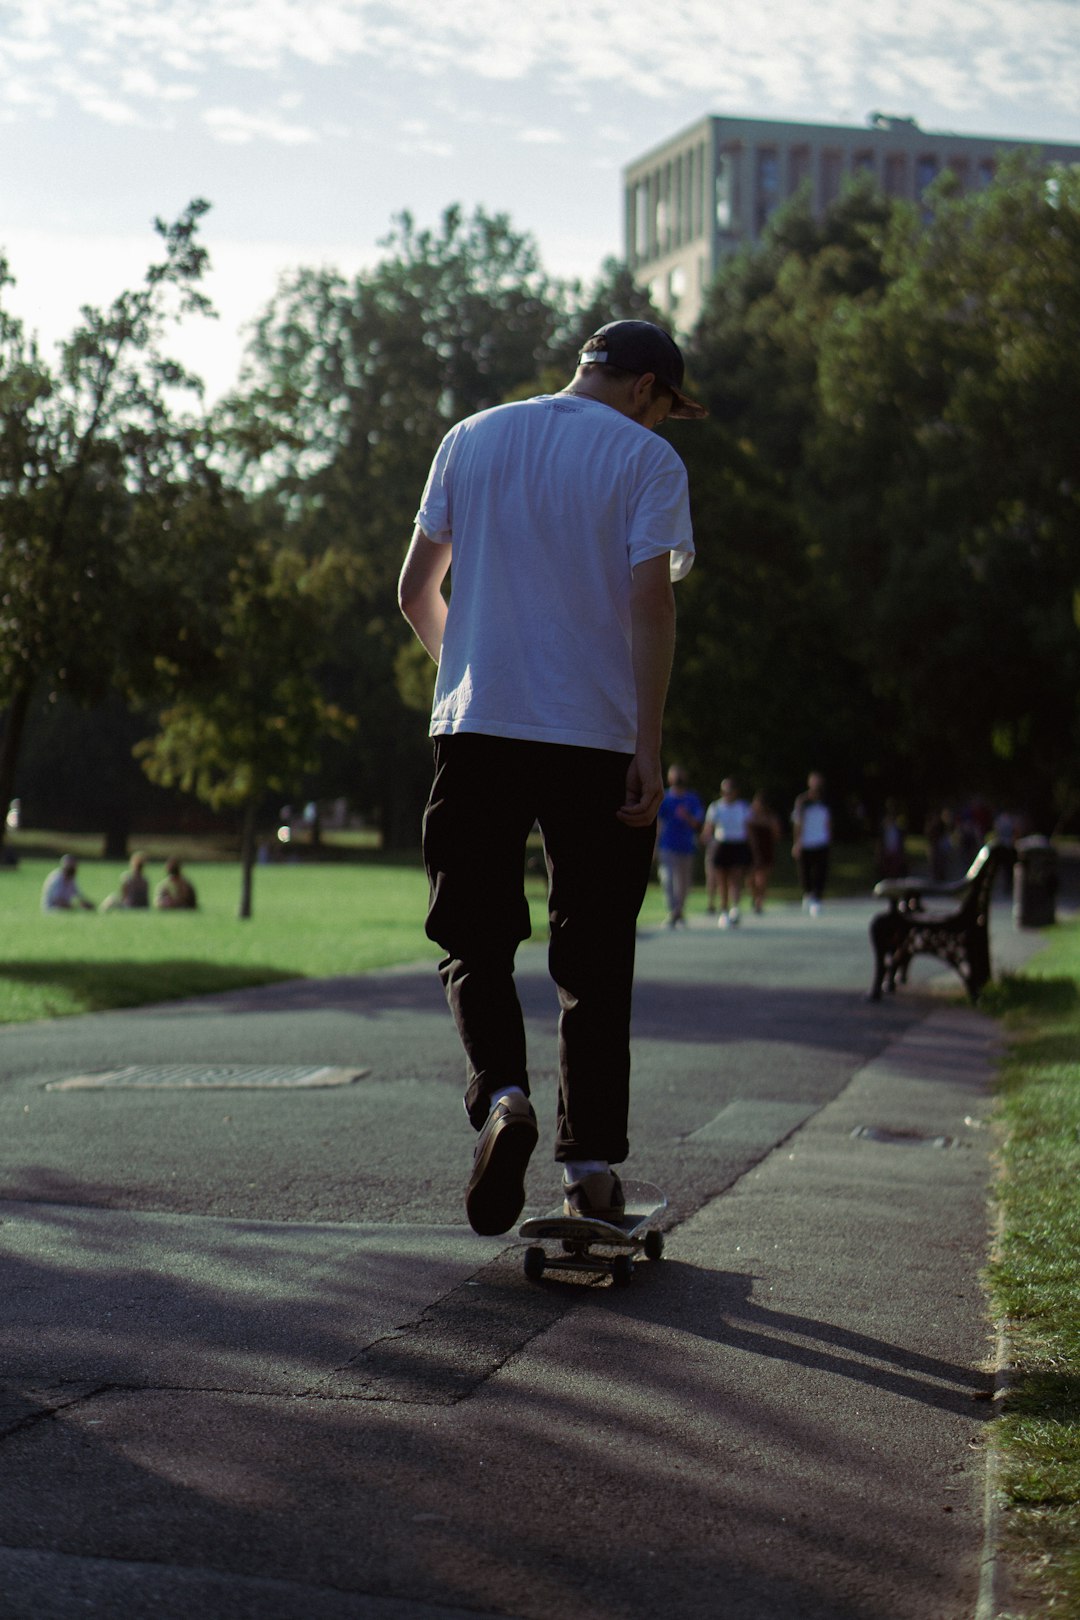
962 170
926 168
863 162
985 173
642 239
725 192
832 169
896 174
798 167
663 224
767 190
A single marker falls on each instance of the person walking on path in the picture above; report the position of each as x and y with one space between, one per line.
566 519
812 826
763 835
679 820
728 849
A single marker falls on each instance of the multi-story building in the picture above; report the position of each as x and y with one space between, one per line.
706 192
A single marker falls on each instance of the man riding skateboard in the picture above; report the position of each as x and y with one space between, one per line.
566 519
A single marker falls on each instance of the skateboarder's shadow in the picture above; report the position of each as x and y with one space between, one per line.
720 1306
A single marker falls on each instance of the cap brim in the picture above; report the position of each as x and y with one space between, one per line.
684 409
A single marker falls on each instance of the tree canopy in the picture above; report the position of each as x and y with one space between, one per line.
885 503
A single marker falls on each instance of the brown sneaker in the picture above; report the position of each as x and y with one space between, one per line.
496 1191
598 1196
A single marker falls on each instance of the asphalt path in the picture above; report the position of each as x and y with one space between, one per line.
252 1363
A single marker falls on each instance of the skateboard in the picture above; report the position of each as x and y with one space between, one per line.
576 1238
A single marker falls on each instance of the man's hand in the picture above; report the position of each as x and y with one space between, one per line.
644 791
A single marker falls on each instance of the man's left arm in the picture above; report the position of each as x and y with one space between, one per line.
652 620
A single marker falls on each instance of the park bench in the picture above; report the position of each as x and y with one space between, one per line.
958 933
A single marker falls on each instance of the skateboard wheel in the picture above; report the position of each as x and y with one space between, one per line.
535 1260
622 1269
654 1245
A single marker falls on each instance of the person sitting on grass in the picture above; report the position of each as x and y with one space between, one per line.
174 892
134 891
60 892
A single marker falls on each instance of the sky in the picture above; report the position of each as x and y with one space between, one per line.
309 124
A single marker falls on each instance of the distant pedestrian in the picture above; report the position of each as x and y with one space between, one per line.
175 892
939 846
763 835
679 819
812 826
891 847
61 892
727 849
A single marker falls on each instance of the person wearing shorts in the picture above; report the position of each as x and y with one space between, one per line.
727 849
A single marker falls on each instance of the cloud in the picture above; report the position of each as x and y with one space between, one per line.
534 136
768 56
238 127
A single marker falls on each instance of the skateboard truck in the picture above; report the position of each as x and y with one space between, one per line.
584 1242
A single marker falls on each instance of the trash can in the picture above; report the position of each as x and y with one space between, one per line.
1035 883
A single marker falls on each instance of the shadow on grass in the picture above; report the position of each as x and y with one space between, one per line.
1045 998
98 987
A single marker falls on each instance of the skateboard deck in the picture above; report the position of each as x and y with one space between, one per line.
584 1243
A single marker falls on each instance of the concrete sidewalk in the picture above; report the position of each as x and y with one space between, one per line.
297 1420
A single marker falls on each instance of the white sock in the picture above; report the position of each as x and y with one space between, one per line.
579 1168
504 1092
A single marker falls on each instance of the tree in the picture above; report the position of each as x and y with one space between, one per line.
951 483
256 721
93 464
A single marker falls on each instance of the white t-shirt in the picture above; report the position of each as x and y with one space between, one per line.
727 819
549 504
816 829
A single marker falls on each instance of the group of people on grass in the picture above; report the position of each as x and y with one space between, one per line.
740 839
175 892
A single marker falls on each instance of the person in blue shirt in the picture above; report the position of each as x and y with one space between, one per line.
679 818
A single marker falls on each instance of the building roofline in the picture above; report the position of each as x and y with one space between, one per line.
899 126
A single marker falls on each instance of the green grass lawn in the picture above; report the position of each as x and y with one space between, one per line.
312 919
1035 1275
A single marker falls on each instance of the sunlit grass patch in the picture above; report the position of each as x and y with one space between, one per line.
1035 1275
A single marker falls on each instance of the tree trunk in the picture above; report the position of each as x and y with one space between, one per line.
10 744
247 858
117 833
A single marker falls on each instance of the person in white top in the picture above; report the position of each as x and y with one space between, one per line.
567 519
61 892
727 849
813 835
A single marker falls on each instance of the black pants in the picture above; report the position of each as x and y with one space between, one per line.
813 870
486 796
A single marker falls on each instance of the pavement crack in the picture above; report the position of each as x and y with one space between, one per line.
22 1409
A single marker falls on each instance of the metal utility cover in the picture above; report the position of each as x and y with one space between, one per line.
209 1077
901 1138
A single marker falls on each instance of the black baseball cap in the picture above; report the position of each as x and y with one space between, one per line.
641 346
